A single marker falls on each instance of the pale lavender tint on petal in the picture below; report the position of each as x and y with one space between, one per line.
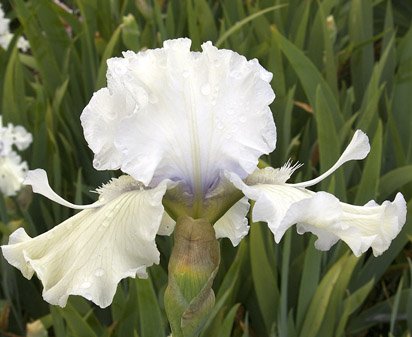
182 115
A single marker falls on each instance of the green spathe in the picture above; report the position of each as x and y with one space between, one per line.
192 267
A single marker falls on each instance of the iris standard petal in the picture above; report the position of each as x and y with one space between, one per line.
89 253
194 115
99 119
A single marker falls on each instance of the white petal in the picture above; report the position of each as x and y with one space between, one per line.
89 253
21 138
234 224
12 172
282 206
99 119
23 44
357 149
272 202
37 179
372 226
167 225
194 114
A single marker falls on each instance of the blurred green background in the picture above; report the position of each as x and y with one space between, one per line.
338 66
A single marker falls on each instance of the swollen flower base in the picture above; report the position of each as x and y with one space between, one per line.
187 129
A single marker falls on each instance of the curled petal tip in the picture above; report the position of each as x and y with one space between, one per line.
357 149
33 176
37 179
359 146
401 208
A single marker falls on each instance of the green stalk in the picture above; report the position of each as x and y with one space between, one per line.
193 265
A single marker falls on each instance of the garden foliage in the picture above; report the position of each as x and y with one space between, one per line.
338 66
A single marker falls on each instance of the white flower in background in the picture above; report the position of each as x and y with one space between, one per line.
6 36
12 168
183 123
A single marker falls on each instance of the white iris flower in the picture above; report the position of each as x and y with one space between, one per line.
6 36
12 169
187 129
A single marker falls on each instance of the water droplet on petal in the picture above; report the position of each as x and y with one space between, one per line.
242 119
205 89
142 97
162 62
96 164
86 285
231 111
120 69
235 74
153 99
219 125
134 111
112 115
260 112
99 272
185 74
249 167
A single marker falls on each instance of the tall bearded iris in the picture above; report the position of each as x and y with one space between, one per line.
187 129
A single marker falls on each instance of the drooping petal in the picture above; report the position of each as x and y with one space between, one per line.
37 179
194 115
360 227
321 213
272 201
357 149
89 253
234 224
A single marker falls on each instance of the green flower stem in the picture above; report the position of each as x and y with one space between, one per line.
193 265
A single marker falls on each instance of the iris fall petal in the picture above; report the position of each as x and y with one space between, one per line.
89 253
283 205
